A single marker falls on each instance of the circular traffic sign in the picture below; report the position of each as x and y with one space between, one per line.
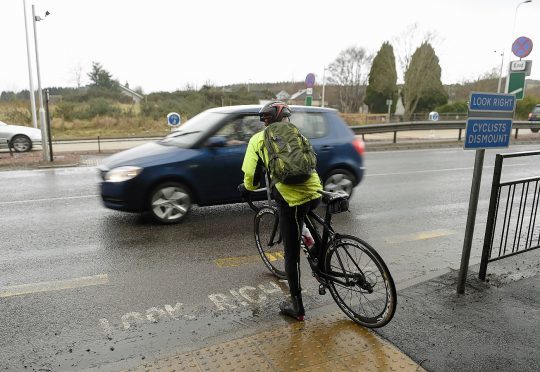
522 47
433 116
310 80
173 119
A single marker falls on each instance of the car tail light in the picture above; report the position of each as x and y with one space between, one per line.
359 145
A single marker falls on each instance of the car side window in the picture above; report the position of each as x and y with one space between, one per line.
239 130
310 124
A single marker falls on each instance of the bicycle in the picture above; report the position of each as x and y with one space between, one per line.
351 269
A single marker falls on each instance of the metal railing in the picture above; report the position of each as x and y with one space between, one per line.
512 225
8 145
430 125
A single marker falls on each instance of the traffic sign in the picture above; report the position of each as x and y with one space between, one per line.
516 84
489 121
483 133
522 47
433 116
310 80
492 102
173 119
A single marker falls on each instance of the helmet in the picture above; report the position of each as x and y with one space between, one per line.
274 111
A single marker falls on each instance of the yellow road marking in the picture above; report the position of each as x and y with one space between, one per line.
423 235
244 260
58 285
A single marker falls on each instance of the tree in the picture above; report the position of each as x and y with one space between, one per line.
101 78
349 72
382 80
423 88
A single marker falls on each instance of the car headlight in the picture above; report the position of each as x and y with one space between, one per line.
122 174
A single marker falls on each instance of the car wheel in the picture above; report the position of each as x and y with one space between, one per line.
535 130
170 203
21 143
340 180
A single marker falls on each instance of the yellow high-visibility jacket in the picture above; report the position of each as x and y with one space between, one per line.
293 194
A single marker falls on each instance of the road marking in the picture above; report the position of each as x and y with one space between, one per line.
436 170
58 285
423 235
244 260
48 199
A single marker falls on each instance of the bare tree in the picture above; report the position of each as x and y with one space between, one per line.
77 72
350 72
406 43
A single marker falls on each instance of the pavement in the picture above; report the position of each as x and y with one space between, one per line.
493 326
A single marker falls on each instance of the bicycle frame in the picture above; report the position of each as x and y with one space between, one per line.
329 235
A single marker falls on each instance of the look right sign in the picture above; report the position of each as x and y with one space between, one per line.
489 122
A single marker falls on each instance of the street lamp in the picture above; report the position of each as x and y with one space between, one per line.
323 85
32 93
44 134
512 35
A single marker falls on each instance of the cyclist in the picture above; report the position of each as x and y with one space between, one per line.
293 202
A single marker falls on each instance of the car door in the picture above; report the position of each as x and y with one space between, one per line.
224 154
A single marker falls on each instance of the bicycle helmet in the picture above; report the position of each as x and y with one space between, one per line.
274 111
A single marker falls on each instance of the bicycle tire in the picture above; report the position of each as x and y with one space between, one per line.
269 242
348 256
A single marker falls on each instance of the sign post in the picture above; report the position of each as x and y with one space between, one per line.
310 81
489 125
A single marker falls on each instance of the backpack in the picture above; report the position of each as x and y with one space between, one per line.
291 157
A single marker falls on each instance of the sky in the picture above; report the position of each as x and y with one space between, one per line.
167 45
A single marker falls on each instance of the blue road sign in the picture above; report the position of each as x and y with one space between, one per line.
173 119
487 133
492 102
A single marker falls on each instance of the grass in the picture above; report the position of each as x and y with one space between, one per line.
122 125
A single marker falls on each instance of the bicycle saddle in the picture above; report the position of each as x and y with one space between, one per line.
337 202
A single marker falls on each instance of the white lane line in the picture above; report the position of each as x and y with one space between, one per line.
436 170
47 199
58 285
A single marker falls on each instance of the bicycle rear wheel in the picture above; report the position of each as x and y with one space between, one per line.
367 293
269 241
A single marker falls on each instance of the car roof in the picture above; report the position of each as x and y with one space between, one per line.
255 108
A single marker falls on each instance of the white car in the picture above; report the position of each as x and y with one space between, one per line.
20 137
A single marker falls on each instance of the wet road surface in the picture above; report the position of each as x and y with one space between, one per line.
86 287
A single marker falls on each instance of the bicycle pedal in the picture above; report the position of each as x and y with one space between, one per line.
322 289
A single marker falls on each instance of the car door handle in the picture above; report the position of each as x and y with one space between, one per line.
327 148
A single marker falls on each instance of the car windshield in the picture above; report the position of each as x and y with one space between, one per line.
192 130
2 123
536 110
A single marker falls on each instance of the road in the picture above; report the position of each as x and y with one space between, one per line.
83 287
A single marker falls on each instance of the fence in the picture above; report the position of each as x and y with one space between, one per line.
362 118
512 225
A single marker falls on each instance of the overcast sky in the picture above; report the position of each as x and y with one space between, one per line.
163 45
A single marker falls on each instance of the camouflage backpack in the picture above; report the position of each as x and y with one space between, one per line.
291 157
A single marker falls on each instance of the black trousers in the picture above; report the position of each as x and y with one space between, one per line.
290 225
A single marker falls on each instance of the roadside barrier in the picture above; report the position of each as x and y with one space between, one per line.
429 125
7 145
512 226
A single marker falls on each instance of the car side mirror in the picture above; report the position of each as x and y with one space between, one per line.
216 141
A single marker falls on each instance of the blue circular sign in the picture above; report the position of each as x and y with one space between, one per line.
310 80
173 119
522 47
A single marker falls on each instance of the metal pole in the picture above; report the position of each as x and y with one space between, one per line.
500 73
44 137
32 91
471 217
490 224
323 84
51 157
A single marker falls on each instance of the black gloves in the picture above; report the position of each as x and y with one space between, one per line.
242 189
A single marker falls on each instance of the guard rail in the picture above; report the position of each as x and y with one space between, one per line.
430 125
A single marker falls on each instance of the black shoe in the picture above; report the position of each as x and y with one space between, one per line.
294 309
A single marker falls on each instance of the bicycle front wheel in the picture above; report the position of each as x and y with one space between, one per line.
269 241
361 284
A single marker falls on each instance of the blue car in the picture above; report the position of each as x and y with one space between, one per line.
200 163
